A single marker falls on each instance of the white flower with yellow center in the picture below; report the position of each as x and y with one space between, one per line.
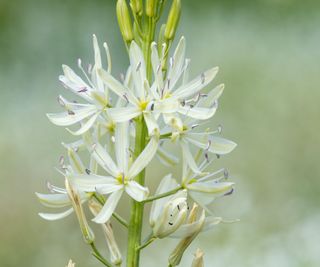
93 91
121 175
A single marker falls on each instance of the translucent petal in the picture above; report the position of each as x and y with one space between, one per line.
136 191
211 187
199 113
194 86
109 207
187 156
55 216
144 158
168 105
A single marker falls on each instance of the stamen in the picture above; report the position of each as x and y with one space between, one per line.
122 77
226 174
126 98
178 207
158 68
70 112
113 139
218 156
229 193
170 223
89 68
138 66
88 171
194 126
208 145
61 161
83 90
219 129
60 101
171 61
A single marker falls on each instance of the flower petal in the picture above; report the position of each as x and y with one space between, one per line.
199 113
89 183
136 191
55 216
144 158
66 119
104 159
151 123
156 66
211 187
194 86
124 114
122 146
85 126
166 158
54 200
108 208
187 156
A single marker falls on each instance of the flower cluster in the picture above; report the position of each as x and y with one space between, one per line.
174 110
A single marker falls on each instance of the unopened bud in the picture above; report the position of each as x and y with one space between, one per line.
151 7
197 226
136 6
71 264
173 20
75 161
124 20
198 259
115 254
76 203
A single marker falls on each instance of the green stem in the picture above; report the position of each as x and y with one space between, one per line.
97 254
147 243
171 192
136 217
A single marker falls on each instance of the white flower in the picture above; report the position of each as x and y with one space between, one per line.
172 99
121 175
139 98
93 91
168 215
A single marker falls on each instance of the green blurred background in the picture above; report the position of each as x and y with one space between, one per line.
269 57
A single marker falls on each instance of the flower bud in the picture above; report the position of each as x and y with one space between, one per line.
71 264
124 20
197 226
173 20
108 232
136 6
173 215
198 259
76 203
151 7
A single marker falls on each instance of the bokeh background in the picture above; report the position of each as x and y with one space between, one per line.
269 57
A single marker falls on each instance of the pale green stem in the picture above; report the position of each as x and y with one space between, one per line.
97 254
171 192
147 243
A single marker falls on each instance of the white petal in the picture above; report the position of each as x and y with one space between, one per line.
106 189
78 89
104 159
117 87
55 216
211 187
194 86
109 207
122 145
156 66
199 113
66 119
210 222
123 114
97 65
173 120
151 123
167 183
136 191
89 183
54 200
187 156
217 145
175 70
144 158
85 126
212 96
138 69
168 105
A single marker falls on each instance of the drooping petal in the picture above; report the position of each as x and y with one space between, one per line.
109 207
144 158
54 200
123 114
104 159
122 146
138 69
55 216
136 191
194 86
69 118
